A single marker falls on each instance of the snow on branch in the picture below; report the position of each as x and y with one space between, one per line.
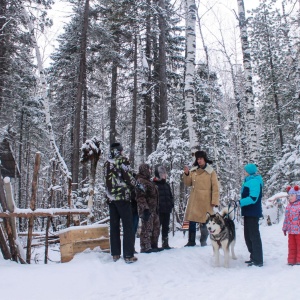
45 93
91 149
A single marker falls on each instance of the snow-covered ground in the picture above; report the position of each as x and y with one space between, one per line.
180 273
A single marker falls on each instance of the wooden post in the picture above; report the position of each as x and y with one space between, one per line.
3 246
46 241
11 207
69 200
7 225
53 181
32 203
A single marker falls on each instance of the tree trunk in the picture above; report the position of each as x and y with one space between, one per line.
113 103
3 36
81 84
20 179
84 130
162 64
134 105
32 203
94 162
147 85
156 91
249 97
189 89
274 89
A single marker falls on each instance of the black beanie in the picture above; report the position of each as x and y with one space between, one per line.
117 146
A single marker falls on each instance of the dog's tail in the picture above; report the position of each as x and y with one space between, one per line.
227 212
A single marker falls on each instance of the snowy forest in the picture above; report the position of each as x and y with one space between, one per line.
164 78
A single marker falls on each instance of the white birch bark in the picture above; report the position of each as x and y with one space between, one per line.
50 132
45 93
189 89
249 97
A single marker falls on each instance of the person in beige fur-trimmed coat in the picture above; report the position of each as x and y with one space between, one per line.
203 198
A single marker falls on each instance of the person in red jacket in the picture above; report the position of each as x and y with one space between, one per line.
291 225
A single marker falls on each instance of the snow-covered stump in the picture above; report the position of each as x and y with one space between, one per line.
76 239
91 151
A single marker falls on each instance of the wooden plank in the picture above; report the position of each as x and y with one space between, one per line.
83 245
84 233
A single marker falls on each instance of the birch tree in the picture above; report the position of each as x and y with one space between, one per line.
248 97
43 83
189 89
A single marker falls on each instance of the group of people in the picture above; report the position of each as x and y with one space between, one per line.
204 196
133 196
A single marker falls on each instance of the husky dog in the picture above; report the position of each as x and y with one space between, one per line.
222 234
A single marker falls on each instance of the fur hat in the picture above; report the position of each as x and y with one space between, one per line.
201 154
251 169
159 171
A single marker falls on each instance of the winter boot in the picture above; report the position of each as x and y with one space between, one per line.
130 260
204 235
192 238
155 248
165 243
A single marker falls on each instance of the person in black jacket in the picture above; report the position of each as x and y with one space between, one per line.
166 202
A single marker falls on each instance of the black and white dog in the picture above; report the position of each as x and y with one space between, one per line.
222 234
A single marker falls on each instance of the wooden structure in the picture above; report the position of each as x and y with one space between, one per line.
79 238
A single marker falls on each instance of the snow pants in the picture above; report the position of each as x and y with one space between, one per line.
294 249
252 239
150 232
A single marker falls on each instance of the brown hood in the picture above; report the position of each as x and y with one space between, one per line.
144 171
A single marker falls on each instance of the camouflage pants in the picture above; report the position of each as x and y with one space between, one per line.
150 232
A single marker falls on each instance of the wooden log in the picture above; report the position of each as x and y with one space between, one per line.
27 213
7 225
37 163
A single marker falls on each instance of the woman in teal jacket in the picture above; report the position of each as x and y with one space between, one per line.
251 194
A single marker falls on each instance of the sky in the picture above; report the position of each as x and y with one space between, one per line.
179 273
62 10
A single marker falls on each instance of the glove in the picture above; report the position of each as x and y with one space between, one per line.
140 187
284 232
146 215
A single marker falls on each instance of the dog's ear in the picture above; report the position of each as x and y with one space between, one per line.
208 215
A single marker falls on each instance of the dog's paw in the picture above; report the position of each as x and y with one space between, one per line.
234 257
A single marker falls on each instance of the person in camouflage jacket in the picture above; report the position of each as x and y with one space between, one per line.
119 181
147 203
